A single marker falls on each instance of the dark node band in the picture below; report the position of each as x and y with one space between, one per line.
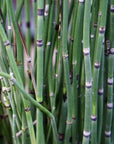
88 87
109 105
40 12
19 63
86 51
28 24
110 81
6 43
61 136
112 51
41 103
93 118
31 92
86 134
56 27
74 118
39 43
65 56
100 92
8 106
68 122
86 54
71 39
101 30
107 134
95 25
97 65
27 109
88 84
112 8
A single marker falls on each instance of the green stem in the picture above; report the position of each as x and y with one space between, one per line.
100 98
39 97
88 77
66 71
97 63
18 39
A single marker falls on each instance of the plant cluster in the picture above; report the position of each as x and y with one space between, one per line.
64 94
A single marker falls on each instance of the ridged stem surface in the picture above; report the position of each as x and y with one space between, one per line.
88 75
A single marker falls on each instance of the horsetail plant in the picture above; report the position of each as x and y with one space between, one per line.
88 75
39 96
56 71
109 110
97 61
66 71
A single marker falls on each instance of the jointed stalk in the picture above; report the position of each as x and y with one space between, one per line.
88 75
66 71
97 63
100 98
28 36
34 102
17 74
18 40
110 83
76 68
39 97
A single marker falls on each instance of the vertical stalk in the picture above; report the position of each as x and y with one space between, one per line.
110 83
19 9
39 97
14 116
71 41
62 122
71 9
82 97
34 102
18 40
66 72
46 23
76 67
95 9
88 77
28 36
49 39
97 62
112 46
17 75
101 98
50 69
